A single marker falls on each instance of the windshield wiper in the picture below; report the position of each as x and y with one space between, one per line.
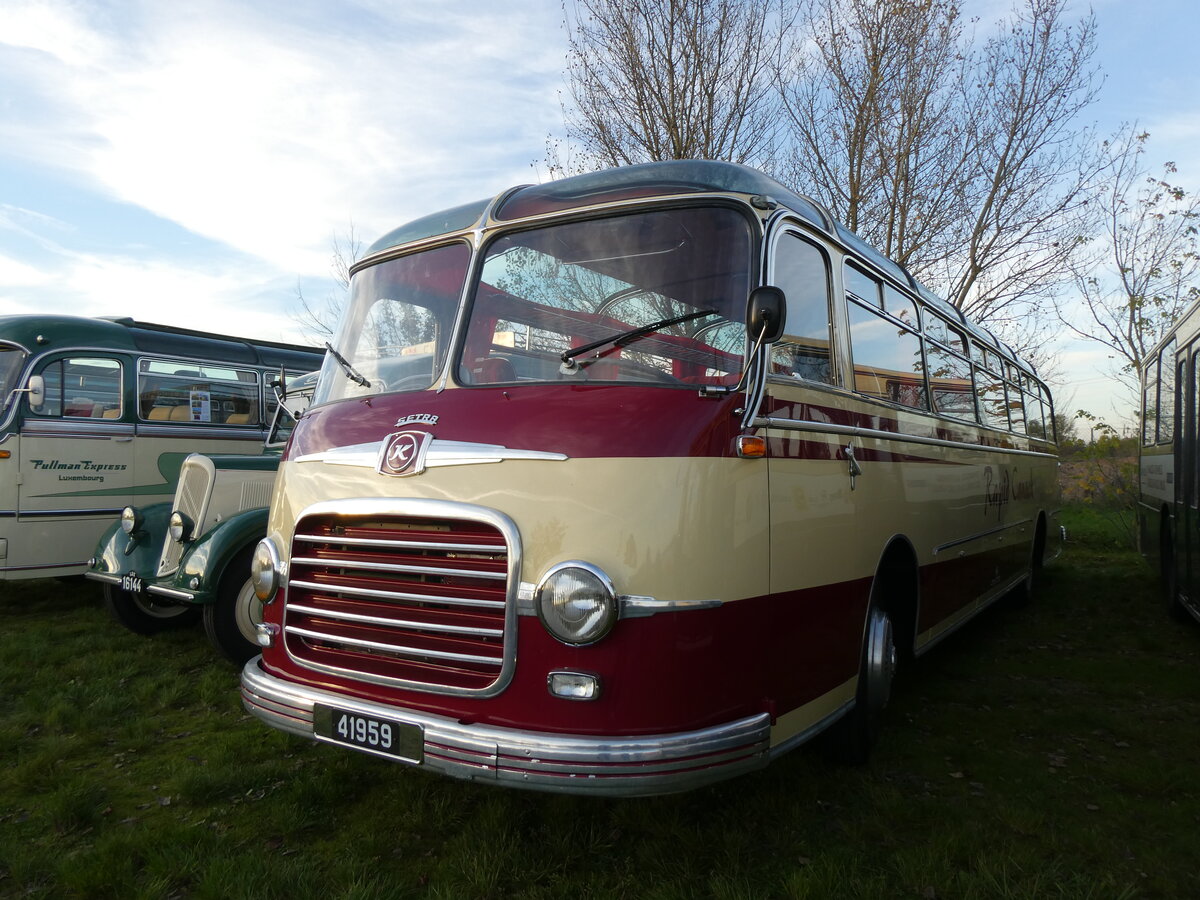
351 372
627 337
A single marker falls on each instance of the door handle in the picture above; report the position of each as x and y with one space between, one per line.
852 463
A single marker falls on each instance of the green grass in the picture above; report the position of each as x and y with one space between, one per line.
1048 751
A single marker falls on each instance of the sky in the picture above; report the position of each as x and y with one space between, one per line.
192 163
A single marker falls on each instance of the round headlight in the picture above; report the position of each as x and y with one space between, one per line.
577 603
264 570
131 520
179 527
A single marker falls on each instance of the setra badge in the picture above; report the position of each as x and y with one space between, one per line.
403 453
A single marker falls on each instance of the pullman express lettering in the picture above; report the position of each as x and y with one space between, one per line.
84 465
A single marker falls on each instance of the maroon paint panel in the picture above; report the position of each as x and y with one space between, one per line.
659 674
581 421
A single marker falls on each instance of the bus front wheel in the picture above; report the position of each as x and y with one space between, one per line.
144 614
231 621
855 734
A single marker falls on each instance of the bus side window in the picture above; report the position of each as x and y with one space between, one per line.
887 359
1166 394
950 380
82 389
801 272
169 391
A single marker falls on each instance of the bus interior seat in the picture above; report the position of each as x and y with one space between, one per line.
160 413
493 370
238 419
113 413
181 413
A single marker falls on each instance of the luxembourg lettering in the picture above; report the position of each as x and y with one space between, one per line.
999 489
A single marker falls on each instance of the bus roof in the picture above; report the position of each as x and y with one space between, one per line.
34 332
659 179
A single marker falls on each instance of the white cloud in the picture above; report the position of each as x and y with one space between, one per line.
269 128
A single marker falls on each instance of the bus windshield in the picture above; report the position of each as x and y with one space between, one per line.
12 360
654 297
395 332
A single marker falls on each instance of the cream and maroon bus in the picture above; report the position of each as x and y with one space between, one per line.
630 482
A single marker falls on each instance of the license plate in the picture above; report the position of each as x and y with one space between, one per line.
384 737
132 582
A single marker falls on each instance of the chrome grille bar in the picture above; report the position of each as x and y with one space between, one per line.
342 616
395 567
395 595
393 648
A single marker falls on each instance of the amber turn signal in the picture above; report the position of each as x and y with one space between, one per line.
750 446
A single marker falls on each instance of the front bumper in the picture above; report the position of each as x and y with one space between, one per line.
612 766
151 587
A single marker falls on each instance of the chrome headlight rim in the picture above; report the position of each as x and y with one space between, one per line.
265 569
131 519
607 605
179 527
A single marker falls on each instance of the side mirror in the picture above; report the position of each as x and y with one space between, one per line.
37 391
766 314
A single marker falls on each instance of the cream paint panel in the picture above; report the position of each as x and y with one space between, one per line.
673 529
805 717
825 533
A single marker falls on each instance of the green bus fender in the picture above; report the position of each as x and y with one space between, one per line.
119 553
205 561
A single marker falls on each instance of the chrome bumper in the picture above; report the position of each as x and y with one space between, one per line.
612 766
173 593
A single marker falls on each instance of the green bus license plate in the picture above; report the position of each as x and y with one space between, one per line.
132 582
385 737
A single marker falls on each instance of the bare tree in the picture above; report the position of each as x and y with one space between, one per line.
966 164
872 95
318 319
1137 277
669 79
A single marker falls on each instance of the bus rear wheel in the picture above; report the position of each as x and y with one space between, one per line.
230 622
145 614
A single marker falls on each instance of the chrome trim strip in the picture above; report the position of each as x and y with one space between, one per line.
423 508
980 535
393 648
174 594
439 453
52 513
393 567
393 595
391 544
395 623
600 766
854 431
641 607
102 576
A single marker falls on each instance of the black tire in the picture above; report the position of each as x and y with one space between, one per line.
1023 594
229 622
147 614
852 737
1167 581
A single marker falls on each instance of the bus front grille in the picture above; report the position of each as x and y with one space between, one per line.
415 602
192 492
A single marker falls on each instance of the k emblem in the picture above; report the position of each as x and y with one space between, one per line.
403 453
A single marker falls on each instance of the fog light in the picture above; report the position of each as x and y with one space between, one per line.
265 633
179 527
577 603
574 685
131 520
264 570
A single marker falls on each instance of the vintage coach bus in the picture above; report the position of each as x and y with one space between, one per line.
1169 464
100 413
629 482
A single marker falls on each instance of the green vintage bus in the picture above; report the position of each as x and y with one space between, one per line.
100 413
